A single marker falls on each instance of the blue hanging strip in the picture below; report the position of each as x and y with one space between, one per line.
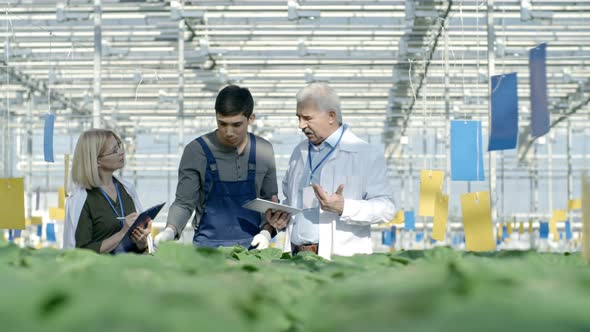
419 237
504 112
568 230
466 151
48 138
409 221
543 230
50 232
538 84
386 238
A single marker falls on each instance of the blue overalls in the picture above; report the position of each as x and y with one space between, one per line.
224 221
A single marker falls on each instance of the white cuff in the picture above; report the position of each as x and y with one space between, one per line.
351 208
266 234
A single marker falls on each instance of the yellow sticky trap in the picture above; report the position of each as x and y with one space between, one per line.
508 228
521 228
36 220
61 197
57 213
499 232
399 217
585 236
559 215
574 204
553 229
441 212
430 184
530 230
12 203
477 221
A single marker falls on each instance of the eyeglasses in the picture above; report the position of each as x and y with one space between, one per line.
117 149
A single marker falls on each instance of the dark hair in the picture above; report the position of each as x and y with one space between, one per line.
233 100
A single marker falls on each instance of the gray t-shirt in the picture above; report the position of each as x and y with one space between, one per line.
190 195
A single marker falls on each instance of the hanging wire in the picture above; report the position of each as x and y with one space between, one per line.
446 39
463 56
7 116
410 77
425 94
137 87
498 83
50 68
424 99
477 52
504 31
478 151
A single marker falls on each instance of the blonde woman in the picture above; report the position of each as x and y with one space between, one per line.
102 207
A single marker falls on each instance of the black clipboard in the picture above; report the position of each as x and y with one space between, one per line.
142 220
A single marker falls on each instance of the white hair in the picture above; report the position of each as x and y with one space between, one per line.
324 96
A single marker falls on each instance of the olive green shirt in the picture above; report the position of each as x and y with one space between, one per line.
98 221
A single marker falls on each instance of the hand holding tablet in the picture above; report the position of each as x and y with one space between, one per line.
142 221
277 215
261 205
147 215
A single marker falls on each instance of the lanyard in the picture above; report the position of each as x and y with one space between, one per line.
111 203
313 169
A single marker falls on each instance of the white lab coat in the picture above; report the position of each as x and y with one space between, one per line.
75 203
367 195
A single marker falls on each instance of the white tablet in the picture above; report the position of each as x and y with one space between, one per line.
261 205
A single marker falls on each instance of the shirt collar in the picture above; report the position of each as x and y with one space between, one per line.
331 141
224 148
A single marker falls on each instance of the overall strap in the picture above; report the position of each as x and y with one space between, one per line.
211 162
252 158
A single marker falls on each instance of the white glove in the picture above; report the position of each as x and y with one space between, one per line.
261 240
166 235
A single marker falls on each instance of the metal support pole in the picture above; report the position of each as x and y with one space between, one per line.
549 173
403 189
535 184
168 173
501 204
180 100
570 179
6 150
447 97
30 154
447 129
134 158
410 204
491 70
531 187
96 104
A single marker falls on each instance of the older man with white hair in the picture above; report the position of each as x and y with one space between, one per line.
336 178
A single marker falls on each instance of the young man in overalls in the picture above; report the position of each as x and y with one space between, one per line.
218 173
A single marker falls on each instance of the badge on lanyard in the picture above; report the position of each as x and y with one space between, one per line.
309 200
313 169
121 217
